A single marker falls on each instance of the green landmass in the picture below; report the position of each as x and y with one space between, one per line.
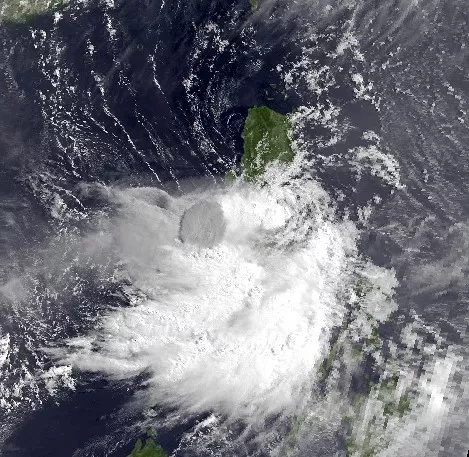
362 287
23 11
374 339
230 176
390 383
326 365
254 4
149 449
372 408
266 139
389 406
401 407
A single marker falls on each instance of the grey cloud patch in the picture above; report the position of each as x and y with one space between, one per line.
203 224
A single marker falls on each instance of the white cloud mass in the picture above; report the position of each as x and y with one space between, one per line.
239 327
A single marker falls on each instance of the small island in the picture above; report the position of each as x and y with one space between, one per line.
147 449
254 4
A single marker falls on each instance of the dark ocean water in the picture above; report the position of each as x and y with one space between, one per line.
154 93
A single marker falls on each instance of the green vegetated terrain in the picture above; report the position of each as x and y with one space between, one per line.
379 401
23 11
147 449
254 4
266 139
368 439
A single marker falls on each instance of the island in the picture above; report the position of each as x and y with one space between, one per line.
23 11
254 4
147 449
266 139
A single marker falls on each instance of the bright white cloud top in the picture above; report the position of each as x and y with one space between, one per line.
238 327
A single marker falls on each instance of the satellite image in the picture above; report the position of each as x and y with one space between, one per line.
234 228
